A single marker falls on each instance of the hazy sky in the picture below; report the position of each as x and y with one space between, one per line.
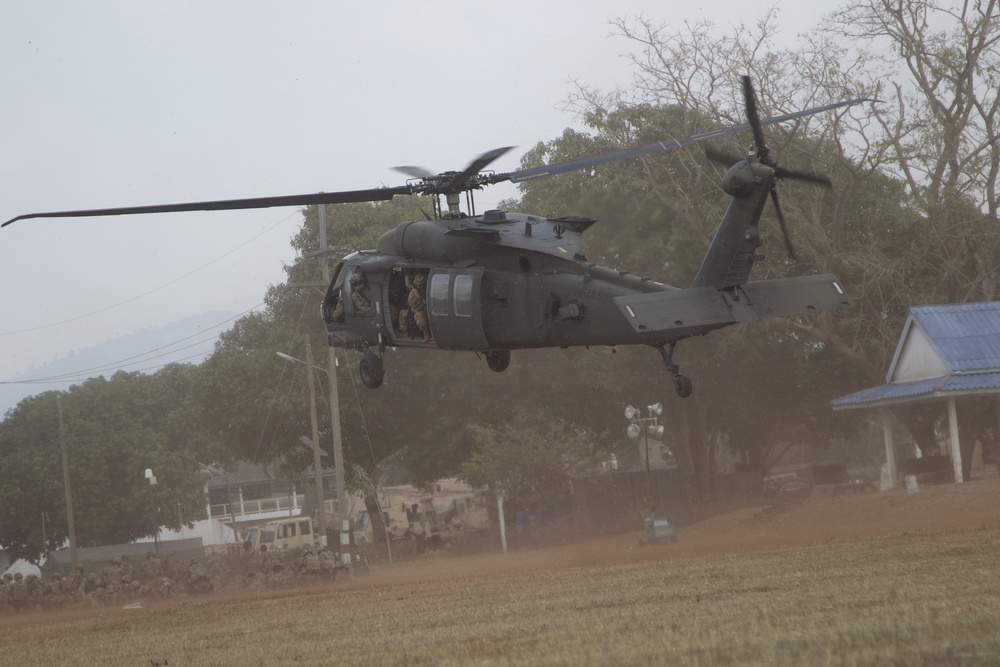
149 102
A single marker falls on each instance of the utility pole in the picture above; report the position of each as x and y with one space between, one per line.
331 357
331 360
317 460
66 485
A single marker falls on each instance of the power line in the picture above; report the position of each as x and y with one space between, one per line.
141 357
152 291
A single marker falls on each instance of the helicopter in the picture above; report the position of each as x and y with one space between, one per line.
502 281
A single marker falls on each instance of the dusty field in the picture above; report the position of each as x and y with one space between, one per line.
932 509
884 578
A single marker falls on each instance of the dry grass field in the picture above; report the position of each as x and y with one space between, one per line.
880 579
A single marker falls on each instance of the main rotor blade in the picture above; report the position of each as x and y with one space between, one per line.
458 182
415 172
345 197
665 145
722 157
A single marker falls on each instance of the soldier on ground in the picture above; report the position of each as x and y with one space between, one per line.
19 596
152 567
197 578
309 565
327 563
269 563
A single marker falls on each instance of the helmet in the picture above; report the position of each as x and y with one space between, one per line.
356 280
419 280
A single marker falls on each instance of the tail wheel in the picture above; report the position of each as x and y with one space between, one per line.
371 370
498 360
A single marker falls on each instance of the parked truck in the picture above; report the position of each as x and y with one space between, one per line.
282 534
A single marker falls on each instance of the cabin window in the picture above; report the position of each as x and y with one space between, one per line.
463 295
304 528
437 294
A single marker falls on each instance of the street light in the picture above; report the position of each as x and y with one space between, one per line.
653 427
338 453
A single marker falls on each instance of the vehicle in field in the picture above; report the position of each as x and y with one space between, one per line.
282 534
658 530
447 511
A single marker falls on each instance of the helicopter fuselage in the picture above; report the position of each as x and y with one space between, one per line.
529 286
504 281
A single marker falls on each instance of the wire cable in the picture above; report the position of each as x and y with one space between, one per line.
152 291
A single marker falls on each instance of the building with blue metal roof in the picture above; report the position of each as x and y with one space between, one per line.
945 354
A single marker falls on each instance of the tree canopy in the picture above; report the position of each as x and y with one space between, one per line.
114 429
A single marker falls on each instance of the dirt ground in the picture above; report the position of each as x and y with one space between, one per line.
711 530
765 526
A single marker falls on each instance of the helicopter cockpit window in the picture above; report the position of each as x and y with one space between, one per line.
463 296
438 294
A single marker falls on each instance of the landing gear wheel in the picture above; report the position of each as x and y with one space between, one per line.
683 385
498 360
371 370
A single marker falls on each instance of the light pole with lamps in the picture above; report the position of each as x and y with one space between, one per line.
653 426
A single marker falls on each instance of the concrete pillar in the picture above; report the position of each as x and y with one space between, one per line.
956 450
890 448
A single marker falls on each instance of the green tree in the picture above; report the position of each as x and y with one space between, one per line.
530 460
114 428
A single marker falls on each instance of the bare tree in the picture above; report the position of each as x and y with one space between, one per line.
912 218
939 131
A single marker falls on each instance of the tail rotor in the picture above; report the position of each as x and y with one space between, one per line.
762 155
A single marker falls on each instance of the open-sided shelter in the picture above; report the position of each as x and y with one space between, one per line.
947 356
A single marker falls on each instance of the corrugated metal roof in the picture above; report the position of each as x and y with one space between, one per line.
949 384
967 335
888 392
239 474
972 382
245 473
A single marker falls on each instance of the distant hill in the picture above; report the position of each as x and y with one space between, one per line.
189 340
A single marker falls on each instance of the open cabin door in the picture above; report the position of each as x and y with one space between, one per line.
454 308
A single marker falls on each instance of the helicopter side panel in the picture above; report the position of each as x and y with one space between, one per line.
453 308
557 308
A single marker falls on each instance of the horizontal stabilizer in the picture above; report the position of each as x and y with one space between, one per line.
698 307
